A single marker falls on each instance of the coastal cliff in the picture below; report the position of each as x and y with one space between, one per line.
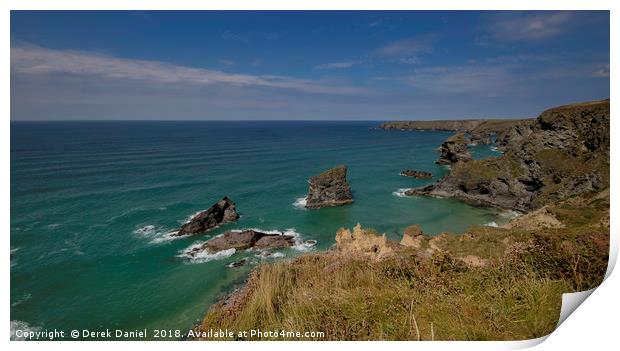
487 283
563 153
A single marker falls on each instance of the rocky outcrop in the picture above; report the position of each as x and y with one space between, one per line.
416 174
224 211
413 236
453 150
243 240
247 239
329 188
564 152
363 242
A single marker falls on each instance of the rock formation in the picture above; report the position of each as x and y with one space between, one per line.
453 150
363 241
564 152
416 174
247 239
224 211
329 188
413 236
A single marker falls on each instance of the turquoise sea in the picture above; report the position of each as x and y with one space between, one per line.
91 203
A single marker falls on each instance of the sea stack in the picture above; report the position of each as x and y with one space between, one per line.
453 150
224 211
329 188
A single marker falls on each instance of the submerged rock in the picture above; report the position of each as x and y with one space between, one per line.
329 188
224 211
416 174
237 264
453 150
247 239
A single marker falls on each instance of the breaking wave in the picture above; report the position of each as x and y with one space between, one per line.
24 328
401 192
156 234
300 203
195 254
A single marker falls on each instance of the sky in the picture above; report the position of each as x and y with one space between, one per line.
309 65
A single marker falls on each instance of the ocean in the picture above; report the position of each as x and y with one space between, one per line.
92 202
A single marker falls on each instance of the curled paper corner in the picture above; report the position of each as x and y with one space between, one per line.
570 302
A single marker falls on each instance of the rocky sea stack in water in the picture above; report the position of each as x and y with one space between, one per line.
453 150
329 188
224 211
243 240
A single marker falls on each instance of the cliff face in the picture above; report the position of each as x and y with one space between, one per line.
564 152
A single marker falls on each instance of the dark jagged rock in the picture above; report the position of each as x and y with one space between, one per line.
271 241
329 188
453 150
224 211
247 239
563 153
416 174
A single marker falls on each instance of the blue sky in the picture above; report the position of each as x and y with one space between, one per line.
376 65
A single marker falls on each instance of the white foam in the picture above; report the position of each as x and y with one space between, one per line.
23 299
24 328
300 203
299 245
189 219
509 214
267 254
491 224
156 234
194 254
495 149
401 192
53 225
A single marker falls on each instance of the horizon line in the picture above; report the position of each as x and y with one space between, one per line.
269 120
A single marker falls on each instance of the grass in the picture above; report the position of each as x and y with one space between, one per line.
431 294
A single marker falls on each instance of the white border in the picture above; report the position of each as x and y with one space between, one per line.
594 323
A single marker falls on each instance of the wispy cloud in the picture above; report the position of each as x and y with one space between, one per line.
517 26
335 65
405 47
602 73
375 23
34 60
247 37
406 51
257 62
474 79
